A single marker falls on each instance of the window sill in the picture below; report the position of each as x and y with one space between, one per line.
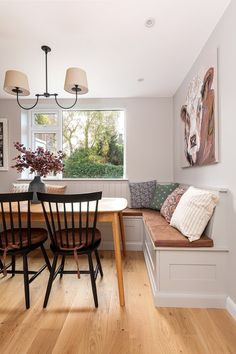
75 179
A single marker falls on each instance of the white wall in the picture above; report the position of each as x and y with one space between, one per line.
224 172
9 110
148 136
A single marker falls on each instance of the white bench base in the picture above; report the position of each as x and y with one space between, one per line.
186 277
179 277
133 234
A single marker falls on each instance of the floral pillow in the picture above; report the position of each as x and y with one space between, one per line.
141 194
171 202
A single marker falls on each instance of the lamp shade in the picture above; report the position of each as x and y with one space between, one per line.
13 79
76 76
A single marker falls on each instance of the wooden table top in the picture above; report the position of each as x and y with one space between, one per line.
105 205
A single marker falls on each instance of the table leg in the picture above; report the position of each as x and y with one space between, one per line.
116 238
122 232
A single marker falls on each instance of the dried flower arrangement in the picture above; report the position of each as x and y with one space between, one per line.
41 162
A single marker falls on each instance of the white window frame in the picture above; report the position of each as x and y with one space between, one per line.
57 129
54 129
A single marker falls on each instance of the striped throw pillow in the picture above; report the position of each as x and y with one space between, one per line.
193 212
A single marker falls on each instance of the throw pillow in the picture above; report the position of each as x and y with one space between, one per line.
55 189
193 212
24 187
171 202
161 193
19 187
141 194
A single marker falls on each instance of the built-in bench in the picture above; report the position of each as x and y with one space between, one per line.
183 273
162 234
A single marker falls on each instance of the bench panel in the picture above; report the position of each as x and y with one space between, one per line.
133 234
193 272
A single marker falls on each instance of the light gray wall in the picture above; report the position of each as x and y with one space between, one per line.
9 110
224 172
148 135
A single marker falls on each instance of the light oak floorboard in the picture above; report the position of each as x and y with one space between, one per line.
71 324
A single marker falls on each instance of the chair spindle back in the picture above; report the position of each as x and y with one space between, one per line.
11 221
70 218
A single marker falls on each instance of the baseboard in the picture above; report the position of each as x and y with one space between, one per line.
162 299
130 246
231 307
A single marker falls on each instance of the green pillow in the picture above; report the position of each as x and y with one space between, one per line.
161 193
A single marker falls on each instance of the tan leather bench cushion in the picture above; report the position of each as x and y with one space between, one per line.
167 236
132 212
164 235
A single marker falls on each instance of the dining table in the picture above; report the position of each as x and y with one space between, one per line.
109 210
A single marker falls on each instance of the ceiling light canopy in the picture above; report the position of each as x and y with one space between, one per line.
150 22
16 83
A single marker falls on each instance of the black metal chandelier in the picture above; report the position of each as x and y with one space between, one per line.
16 83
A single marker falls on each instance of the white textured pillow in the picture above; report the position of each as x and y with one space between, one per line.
19 187
193 212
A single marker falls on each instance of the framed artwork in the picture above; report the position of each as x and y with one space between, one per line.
3 145
199 117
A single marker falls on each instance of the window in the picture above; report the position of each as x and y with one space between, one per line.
45 130
93 140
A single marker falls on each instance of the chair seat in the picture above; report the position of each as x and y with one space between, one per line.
38 235
65 238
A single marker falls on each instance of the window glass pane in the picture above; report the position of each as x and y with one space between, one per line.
46 140
45 119
94 144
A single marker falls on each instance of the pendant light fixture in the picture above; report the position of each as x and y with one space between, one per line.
16 83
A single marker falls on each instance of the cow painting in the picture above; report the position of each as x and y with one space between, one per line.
198 115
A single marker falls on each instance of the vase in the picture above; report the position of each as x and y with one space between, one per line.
37 185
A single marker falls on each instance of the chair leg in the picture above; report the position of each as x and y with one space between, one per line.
46 257
13 265
93 281
50 280
26 281
62 266
98 262
1 264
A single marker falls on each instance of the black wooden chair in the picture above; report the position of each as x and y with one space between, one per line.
71 221
18 238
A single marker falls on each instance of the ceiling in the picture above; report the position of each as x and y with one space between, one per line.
109 40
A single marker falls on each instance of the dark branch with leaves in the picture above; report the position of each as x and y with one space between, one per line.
42 162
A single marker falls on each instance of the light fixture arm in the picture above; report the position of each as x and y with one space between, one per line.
76 97
26 108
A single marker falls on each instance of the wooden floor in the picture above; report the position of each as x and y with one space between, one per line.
70 324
